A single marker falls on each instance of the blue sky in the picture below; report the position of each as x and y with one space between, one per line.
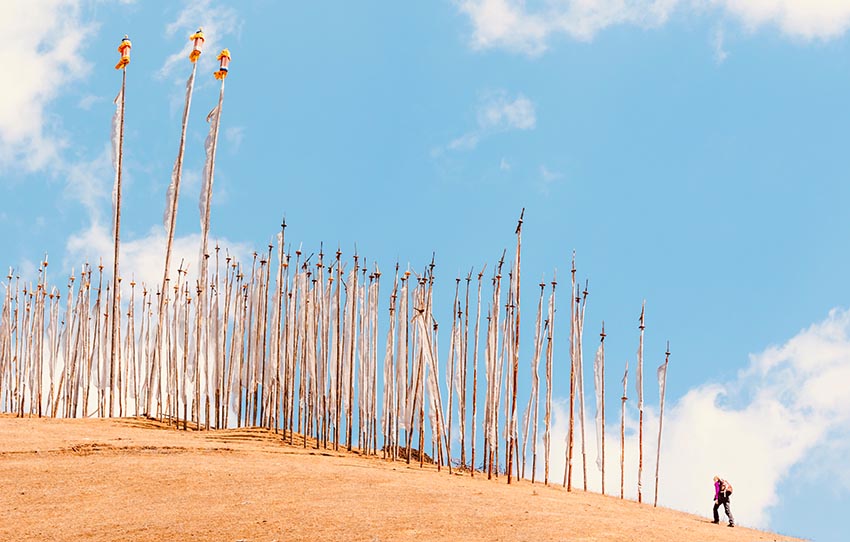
692 153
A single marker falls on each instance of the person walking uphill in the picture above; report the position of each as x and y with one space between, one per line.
722 494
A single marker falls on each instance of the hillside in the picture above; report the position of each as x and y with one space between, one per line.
136 479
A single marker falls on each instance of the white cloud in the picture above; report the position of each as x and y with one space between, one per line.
89 100
234 136
506 24
219 22
497 112
142 259
718 41
504 165
466 142
549 176
808 19
512 25
42 42
90 183
787 409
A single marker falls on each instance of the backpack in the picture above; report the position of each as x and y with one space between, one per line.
725 487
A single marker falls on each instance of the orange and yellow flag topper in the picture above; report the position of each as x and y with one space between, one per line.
197 42
124 49
224 60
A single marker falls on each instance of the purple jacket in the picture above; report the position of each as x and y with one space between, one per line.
716 490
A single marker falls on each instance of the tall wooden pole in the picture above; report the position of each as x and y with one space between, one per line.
171 222
549 345
602 393
475 374
623 432
568 470
116 307
580 357
511 444
640 405
662 384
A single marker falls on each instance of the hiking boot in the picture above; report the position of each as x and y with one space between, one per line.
731 525
716 522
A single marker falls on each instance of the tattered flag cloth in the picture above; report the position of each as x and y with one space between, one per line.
209 167
598 365
170 198
116 144
662 379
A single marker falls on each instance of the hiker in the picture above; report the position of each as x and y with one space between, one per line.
722 494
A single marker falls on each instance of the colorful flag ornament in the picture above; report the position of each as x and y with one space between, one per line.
124 49
197 42
224 60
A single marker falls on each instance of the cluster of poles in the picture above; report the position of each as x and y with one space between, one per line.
290 341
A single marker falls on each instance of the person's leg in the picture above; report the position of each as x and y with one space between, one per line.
716 514
728 509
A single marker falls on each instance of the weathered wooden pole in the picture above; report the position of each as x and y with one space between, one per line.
475 373
171 212
116 224
512 436
351 366
640 405
602 394
534 398
550 322
662 385
450 373
568 470
623 432
580 349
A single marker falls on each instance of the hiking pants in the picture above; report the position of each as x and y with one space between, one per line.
724 500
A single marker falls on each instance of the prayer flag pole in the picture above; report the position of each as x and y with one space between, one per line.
568 470
118 150
623 432
172 198
550 321
642 327
512 436
662 384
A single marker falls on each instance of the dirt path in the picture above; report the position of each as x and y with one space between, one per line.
133 479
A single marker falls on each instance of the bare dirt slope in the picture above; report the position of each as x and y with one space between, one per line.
135 479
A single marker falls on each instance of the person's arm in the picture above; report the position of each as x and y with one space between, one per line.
716 490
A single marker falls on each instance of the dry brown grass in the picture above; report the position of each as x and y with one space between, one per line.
138 479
